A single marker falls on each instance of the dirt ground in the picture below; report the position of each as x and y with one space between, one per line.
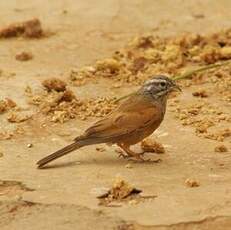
64 196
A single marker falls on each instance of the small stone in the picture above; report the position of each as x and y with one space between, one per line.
1 154
192 183
30 145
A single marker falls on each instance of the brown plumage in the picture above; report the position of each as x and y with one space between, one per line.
136 118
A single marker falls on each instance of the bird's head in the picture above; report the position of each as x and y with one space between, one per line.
160 86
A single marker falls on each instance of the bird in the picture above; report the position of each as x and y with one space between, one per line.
136 118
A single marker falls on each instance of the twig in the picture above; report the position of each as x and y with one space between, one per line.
201 69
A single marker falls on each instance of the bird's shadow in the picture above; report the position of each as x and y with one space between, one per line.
107 161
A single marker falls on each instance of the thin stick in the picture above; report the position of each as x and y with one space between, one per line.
201 69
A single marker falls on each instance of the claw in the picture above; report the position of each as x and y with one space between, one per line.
123 156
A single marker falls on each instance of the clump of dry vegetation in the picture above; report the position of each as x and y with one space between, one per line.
122 191
148 55
60 103
150 145
28 29
202 115
14 113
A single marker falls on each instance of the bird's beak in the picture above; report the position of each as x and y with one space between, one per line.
176 87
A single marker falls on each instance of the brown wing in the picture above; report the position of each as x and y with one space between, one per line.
124 120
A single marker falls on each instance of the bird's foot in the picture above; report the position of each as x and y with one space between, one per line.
142 160
122 155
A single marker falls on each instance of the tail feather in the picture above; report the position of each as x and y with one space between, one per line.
58 154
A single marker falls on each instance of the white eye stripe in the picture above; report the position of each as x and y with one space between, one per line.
151 81
155 81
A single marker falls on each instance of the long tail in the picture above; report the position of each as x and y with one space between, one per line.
58 154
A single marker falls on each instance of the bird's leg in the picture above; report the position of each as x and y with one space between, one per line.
130 152
121 154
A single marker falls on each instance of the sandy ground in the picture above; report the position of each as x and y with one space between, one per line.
64 197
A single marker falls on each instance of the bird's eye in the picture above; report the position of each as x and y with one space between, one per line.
162 84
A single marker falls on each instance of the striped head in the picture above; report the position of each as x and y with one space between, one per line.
160 86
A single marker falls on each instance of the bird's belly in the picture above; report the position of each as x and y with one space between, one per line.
138 135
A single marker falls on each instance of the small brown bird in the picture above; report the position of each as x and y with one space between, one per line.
135 119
